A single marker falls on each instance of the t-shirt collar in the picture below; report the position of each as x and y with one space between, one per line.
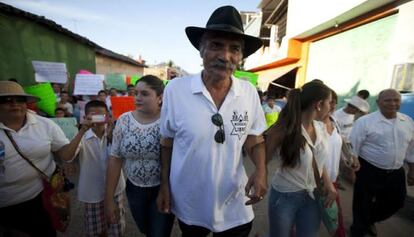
90 134
30 119
197 85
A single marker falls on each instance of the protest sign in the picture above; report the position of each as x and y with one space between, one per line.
116 80
88 84
134 79
50 72
122 104
47 101
248 76
68 126
83 71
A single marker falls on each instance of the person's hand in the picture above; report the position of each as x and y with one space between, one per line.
256 187
87 123
163 199
330 196
112 211
355 164
410 177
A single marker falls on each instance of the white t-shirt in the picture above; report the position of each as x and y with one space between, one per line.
139 145
207 178
93 158
37 139
301 177
345 122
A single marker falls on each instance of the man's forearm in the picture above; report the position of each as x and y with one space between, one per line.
166 154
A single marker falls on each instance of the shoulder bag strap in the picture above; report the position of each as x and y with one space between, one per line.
23 156
318 179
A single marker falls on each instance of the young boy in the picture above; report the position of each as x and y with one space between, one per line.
94 139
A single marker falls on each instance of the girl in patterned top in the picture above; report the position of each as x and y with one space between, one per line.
136 149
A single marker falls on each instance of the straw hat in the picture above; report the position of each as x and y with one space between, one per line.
225 19
10 88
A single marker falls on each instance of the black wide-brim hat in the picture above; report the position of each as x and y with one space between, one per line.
225 19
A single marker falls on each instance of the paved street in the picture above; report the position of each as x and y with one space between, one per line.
397 226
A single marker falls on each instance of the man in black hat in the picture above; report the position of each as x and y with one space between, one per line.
206 119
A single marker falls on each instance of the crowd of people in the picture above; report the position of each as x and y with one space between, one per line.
179 154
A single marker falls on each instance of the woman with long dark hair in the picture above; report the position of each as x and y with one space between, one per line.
136 150
299 142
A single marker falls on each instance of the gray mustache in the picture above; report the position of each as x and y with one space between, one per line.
223 64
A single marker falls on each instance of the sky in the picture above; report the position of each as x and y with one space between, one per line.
153 29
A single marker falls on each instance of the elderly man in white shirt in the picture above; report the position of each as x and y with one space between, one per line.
206 119
383 140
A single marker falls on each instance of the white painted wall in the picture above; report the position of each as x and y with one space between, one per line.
355 59
368 60
403 45
304 15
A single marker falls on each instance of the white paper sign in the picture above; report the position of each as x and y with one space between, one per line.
50 72
88 84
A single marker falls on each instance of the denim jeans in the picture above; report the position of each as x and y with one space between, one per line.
142 202
293 209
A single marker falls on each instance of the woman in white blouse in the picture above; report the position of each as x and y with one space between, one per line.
296 141
335 146
136 149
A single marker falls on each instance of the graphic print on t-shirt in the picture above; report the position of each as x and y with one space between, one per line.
239 122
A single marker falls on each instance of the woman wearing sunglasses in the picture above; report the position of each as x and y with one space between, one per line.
298 143
39 140
136 149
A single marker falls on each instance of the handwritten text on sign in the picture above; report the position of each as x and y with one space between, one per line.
50 72
88 84
68 126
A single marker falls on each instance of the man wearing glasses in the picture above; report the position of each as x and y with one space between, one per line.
205 121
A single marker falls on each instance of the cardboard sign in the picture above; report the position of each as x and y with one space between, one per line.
88 84
47 97
68 126
117 81
122 104
248 76
50 72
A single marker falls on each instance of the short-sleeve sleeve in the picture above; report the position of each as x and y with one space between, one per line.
259 121
167 122
117 136
357 135
57 137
